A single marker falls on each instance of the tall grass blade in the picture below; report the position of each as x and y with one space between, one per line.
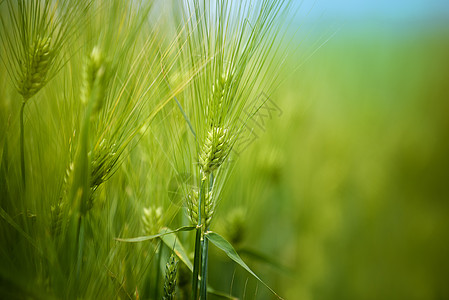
172 241
226 247
150 237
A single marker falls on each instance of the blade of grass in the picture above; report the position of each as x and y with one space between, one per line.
150 237
172 241
226 247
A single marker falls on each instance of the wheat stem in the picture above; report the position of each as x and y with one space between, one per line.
158 271
203 283
22 144
80 247
197 261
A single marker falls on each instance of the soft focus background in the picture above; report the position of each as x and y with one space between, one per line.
350 184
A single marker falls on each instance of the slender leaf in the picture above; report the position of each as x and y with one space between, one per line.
150 237
225 246
174 243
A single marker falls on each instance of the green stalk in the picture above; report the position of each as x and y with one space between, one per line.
205 253
198 243
22 143
203 283
81 183
196 264
158 271
80 244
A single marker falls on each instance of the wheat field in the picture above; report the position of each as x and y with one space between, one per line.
222 150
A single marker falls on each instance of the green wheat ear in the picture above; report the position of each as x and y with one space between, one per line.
34 70
215 150
171 270
103 160
219 92
152 220
193 207
94 79
56 219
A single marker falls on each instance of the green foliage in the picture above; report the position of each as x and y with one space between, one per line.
120 120
150 237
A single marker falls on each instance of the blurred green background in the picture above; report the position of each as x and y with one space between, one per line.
349 187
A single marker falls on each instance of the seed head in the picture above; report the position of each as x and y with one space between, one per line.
103 160
152 220
56 219
215 150
219 90
94 79
193 207
171 270
35 68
